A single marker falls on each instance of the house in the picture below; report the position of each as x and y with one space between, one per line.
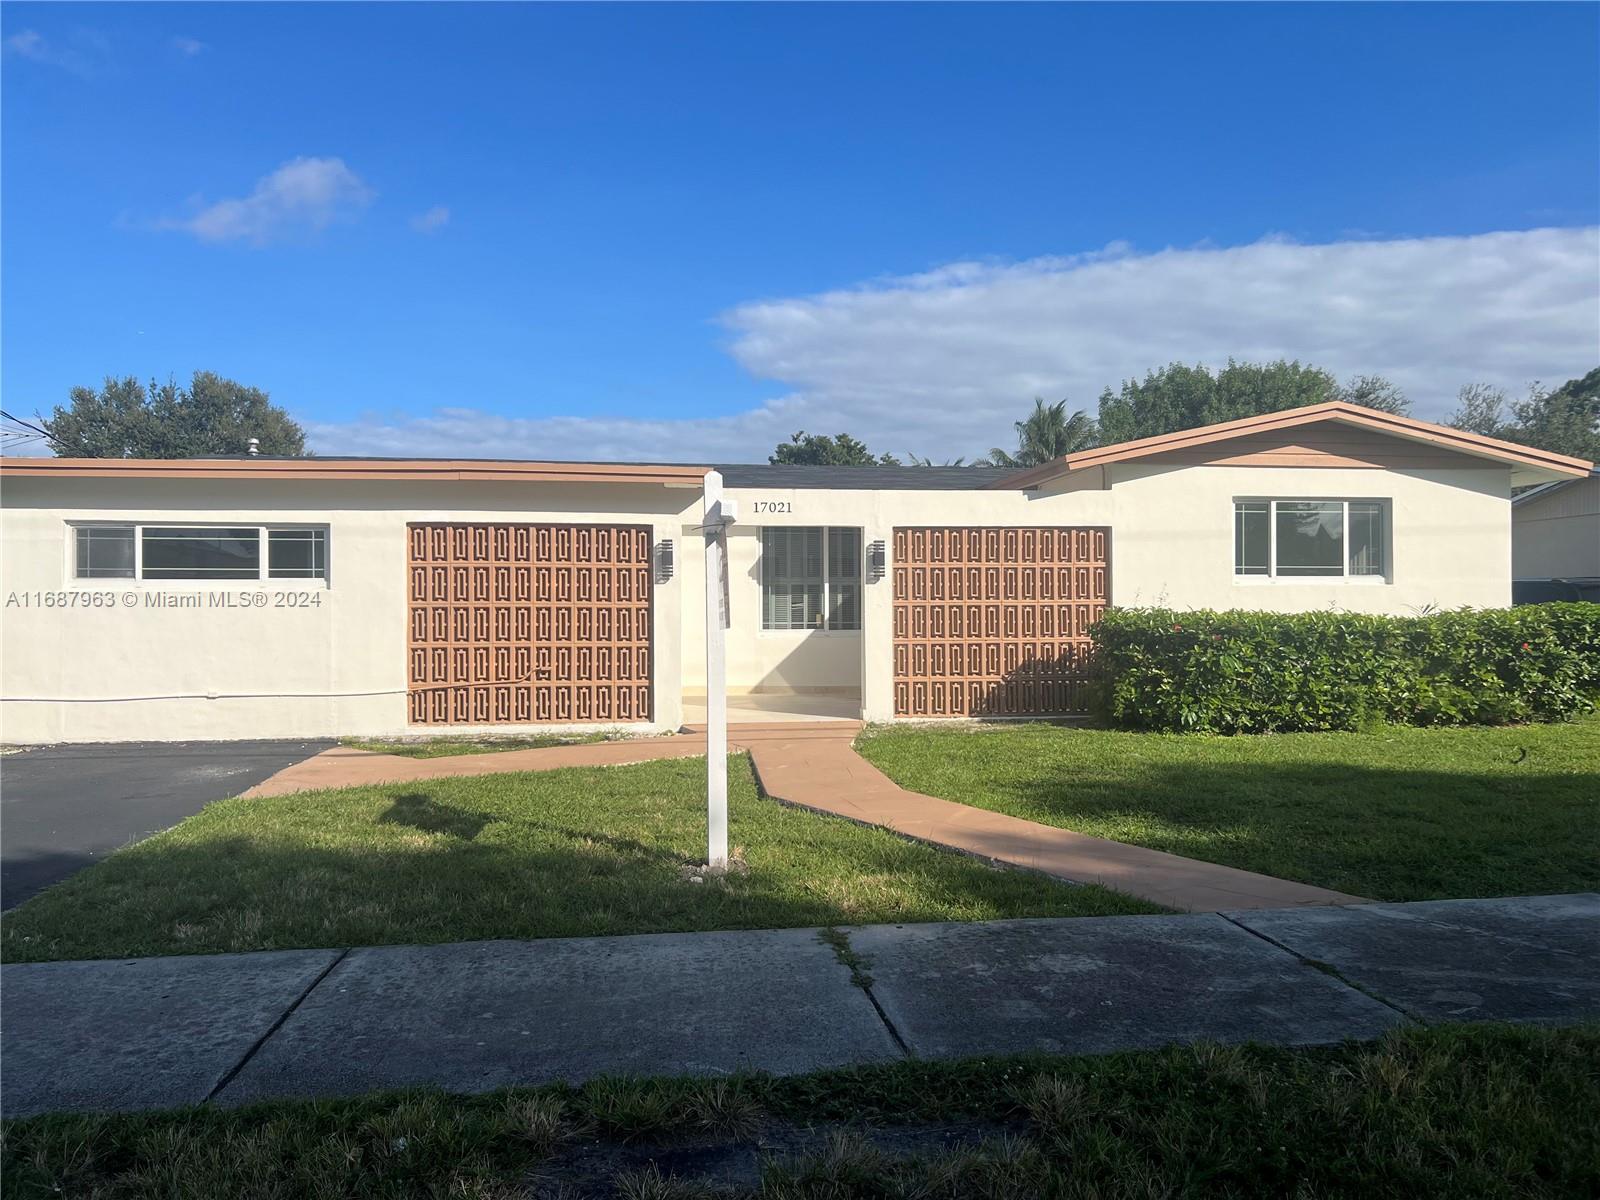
1555 536
246 598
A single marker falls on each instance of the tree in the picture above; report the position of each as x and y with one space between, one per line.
820 450
1375 392
1565 421
918 460
1480 409
1184 397
1045 435
211 416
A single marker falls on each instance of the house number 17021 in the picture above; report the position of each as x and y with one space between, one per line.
774 506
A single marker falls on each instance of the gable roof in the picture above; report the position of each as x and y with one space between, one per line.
1528 464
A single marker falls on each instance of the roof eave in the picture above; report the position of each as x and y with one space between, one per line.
312 469
1530 464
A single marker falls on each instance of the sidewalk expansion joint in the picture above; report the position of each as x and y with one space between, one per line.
1327 969
274 1027
857 963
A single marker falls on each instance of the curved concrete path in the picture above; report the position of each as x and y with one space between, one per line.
829 776
815 766
345 766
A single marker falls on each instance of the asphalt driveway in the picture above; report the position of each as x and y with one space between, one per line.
62 808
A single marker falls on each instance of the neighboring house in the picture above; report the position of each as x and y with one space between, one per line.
238 598
1555 535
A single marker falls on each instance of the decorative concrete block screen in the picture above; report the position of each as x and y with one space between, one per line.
529 624
995 622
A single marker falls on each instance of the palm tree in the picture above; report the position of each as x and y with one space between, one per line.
1047 434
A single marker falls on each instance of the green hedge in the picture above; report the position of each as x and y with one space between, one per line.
1256 672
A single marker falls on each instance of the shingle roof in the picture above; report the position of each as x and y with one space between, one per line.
903 479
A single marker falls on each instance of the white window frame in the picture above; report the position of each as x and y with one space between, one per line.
255 583
1384 577
823 630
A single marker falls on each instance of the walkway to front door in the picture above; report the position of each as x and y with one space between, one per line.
814 765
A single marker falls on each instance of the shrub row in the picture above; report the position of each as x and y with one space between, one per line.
1257 672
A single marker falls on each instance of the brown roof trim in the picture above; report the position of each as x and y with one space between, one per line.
1333 410
423 469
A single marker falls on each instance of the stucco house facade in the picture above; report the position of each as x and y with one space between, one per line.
253 598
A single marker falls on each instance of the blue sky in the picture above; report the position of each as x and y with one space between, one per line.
681 231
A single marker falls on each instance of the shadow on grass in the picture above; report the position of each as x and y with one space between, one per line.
422 866
426 814
1388 833
240 893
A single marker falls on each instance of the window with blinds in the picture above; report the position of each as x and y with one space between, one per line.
810 577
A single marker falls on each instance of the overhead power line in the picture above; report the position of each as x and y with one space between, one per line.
27 431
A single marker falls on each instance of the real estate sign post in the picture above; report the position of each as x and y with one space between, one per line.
716 534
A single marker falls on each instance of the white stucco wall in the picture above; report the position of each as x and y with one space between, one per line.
1556 535
310 663
1172 544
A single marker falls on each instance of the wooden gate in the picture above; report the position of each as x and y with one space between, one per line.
995 622
529 624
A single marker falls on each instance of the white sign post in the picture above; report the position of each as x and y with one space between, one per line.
716 533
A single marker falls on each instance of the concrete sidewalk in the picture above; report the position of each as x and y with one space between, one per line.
471 1017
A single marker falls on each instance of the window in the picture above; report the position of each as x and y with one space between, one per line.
810 577
105 551
199 552
1316 539
183 552
297 553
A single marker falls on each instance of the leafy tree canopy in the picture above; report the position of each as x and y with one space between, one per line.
1565 420
211 416
1184 397
1373 391
1481 409
1046 434
820 450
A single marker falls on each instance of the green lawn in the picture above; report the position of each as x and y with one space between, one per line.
1394 814
604 850
1468 1113
447 747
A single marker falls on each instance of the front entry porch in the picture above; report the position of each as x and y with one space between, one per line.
771 707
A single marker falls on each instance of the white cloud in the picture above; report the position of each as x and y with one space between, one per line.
468 433
303 196
189 47
434 219
84 52
941 363
29 43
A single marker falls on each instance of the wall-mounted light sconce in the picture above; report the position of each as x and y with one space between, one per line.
877 561
663 560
